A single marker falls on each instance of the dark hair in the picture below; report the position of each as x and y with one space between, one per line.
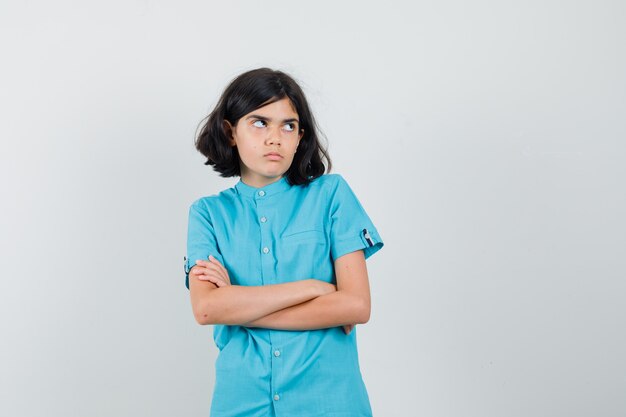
248 92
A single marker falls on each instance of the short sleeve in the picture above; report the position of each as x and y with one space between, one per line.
351 228
201 241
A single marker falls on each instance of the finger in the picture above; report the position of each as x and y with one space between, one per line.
213 262
214 279
220 271
220 282
218 268
204 277
198 270
214 259
215 269
205 274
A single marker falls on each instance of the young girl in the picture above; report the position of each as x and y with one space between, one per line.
277 262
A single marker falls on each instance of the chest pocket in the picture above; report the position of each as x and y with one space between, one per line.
305 236
304 254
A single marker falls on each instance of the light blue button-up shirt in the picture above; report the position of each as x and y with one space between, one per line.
270 235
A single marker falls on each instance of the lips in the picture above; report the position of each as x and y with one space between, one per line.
273 156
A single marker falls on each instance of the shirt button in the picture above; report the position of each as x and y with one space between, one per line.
276 397
261 193
277 353
263 219
266 249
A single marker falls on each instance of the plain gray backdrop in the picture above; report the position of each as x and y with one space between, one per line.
484 138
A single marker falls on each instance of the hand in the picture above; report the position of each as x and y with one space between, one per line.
324 287
211 270
328 288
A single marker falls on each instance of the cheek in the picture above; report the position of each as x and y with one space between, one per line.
248 144
248 152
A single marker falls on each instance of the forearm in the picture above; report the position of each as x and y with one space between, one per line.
335 309
235 304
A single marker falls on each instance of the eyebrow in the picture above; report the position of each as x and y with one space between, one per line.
257 116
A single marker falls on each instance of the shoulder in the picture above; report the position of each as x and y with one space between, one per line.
324 186
330 181
334 185
331 188
206 203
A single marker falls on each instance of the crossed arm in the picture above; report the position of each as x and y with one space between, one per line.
300 305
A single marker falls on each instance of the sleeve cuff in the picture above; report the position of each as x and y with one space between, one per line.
187 268
369 240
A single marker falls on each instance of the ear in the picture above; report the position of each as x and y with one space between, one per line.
228 129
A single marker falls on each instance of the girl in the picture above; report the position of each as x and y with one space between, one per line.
277 262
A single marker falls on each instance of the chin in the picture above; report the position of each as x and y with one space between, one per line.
274 174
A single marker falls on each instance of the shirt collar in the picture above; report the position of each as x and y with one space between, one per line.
270 189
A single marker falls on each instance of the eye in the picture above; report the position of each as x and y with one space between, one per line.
258 121
290 127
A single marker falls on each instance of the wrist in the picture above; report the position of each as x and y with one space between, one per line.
316 287
327 288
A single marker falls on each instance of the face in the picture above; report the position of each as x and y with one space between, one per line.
267 139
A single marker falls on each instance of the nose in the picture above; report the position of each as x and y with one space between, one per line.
273 136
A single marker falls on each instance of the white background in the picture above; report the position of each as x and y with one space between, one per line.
485 139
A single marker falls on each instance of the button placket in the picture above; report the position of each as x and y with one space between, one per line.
264 212
265 249
264 205
259 203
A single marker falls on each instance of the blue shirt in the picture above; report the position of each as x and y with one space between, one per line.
271 235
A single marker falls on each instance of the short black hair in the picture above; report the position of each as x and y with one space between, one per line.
247 92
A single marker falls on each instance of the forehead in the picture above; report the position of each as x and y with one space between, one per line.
282 107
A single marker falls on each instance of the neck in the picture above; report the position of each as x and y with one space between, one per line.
260 182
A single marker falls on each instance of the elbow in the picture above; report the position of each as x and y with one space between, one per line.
202 315
205 307
202 320
364 310
206 314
